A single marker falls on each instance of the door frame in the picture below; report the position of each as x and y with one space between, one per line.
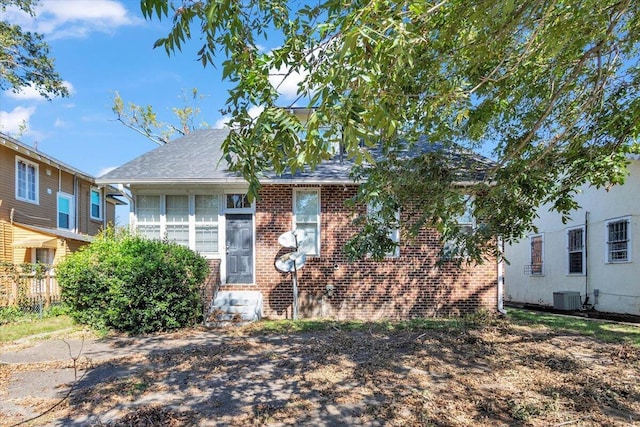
231 211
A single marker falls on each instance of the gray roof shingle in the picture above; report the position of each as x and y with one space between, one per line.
198 158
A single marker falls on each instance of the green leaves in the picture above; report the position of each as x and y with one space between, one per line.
130 284
550 89
25 59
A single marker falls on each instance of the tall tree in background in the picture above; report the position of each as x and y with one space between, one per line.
552 86
144 119
24 56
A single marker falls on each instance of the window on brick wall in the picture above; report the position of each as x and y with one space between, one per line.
466 222
618 240
575 250
306 212
392 230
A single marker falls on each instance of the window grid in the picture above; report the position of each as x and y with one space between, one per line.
618 241
536 256
26 181
191 221
65 208
306 210
96 204
576 250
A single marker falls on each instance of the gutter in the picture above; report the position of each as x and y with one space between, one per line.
500 284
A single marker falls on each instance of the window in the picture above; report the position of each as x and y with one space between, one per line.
393 231
575 248
26 181
189 220
43 256
177 219
618 241
237 201
206 223
148 214
454 248
95 204
537 255
306 212
65 211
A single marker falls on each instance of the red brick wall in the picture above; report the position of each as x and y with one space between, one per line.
398 288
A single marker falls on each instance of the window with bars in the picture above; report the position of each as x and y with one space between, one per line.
575 249
537 255
618 238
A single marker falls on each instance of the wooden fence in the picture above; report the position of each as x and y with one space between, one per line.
27 288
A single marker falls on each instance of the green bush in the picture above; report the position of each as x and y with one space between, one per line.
128 283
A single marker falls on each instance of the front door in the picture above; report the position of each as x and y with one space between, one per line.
239 231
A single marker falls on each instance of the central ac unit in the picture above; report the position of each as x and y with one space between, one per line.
566 300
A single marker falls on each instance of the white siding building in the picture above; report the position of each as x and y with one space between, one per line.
595 255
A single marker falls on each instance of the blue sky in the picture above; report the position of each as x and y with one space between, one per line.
102 47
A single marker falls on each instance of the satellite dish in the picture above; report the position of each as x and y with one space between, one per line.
287 262
293 238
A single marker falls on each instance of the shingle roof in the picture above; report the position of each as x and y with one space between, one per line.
198 158
192 158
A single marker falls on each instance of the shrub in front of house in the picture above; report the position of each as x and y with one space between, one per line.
131 284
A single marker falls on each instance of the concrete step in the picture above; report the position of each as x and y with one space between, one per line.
235 307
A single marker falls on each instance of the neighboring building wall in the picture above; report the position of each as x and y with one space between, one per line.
409 286
617 283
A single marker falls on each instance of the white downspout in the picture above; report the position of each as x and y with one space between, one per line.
500 287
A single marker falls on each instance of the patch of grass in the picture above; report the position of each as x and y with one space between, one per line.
28 327
602 330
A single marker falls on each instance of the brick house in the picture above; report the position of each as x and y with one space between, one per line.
182 192
47 208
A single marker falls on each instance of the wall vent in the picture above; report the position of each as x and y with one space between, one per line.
566 300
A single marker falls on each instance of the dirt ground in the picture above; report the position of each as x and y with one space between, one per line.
496 374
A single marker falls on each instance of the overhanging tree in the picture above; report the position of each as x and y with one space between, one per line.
552 86
25 58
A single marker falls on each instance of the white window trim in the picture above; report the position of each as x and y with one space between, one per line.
223 203
35 201
584 251
100 203
629 239
191 219
193 223
531 237
318 216
395 233
71 210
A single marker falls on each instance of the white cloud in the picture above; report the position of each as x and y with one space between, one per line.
12 122
59 123
29 93
224 121
286 81
73 18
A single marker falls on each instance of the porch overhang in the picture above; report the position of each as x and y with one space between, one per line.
36 242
